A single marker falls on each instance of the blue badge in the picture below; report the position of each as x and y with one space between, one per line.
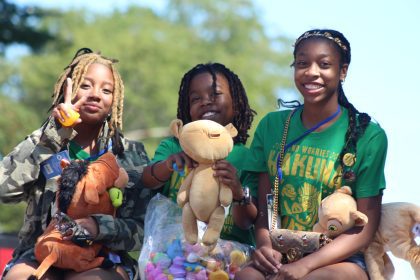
51 167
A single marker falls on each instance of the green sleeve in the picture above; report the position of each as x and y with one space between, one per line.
370 180
256 160
166 148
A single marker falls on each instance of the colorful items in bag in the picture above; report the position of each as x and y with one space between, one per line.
193 262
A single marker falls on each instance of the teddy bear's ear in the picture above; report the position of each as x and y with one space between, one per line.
176 127
359 218
232 130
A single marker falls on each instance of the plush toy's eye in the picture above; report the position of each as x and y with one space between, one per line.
214 135
332 228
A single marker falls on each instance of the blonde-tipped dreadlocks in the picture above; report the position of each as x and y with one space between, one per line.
77 69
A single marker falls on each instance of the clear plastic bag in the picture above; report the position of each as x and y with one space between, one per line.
166 254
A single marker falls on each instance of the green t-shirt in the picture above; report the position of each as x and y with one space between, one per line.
311 165
236 157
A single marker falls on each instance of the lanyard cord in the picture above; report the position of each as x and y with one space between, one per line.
79 153
315 127
101 152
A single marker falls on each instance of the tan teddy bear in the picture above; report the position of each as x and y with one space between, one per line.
338 213
395 234
201 196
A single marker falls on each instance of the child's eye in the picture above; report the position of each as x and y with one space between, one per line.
108 91
301 63
325 64
194 99
84 86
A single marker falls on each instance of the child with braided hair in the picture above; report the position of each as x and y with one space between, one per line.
327 144
211 91
91 89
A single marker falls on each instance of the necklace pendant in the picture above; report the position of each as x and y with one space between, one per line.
349 159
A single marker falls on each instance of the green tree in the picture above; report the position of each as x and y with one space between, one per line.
18 25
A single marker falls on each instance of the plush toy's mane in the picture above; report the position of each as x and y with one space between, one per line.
71 175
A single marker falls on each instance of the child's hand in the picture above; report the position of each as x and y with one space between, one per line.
267 260
226 173
181 160
292 271
67 113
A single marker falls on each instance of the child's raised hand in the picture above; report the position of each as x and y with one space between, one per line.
226 173
181 160
67 113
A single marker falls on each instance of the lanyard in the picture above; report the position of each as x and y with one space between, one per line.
79 153
315 127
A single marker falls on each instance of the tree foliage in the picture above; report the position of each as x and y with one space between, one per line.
154 49
18 25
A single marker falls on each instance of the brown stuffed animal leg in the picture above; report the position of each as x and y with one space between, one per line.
44 266
189 223
378 263
214 227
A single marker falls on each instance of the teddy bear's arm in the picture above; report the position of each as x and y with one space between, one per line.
184 190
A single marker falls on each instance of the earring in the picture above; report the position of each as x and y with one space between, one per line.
342 81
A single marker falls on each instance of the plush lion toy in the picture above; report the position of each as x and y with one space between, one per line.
82 191
338 213
201 196
396 232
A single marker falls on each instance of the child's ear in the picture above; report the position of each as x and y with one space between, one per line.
176 127
343 71
232 130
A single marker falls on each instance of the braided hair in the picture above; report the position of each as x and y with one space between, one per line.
245 115
357 121
77 70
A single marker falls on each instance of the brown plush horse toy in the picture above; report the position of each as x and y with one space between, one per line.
82 191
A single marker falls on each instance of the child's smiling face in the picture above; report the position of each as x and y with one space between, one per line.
205 103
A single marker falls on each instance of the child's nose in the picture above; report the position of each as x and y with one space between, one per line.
313 70
95 92
208 99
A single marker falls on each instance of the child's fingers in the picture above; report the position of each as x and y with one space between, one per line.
262 263
79 103
187 161
68 91
270 261
179 163
57 115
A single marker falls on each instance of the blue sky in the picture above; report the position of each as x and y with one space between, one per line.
384 37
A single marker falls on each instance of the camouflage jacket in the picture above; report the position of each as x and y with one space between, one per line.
21 180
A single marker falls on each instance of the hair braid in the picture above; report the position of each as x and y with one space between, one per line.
244 115
77 70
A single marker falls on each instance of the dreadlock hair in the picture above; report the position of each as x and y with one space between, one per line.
77 70
357 121
244 115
